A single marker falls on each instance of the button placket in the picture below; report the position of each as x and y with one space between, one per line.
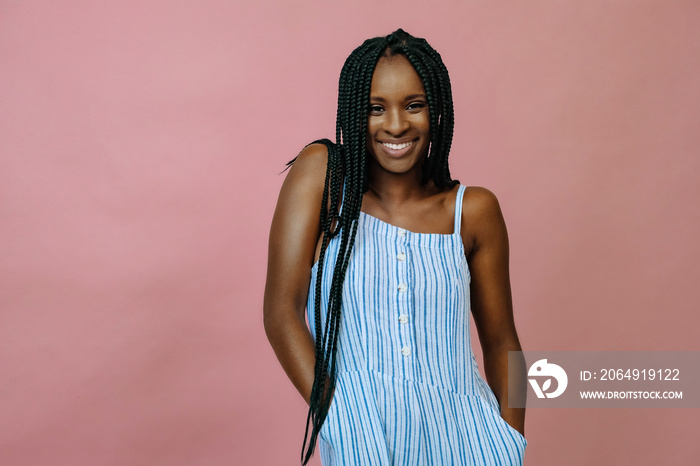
400 259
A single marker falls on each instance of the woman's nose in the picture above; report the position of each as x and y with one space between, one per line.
396 122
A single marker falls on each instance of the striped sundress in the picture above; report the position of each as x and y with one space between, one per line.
408 389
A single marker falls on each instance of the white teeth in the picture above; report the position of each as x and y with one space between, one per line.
397 146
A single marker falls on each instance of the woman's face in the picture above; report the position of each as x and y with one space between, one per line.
398 133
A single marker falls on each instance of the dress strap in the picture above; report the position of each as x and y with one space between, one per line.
458 209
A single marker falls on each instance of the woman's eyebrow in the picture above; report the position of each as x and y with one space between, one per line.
408 97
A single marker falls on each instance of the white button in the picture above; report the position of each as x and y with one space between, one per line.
403 318
401 256
405 350
403 287
402 232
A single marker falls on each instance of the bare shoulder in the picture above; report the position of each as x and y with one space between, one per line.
482 219
313 155
480 205
311 163
305 179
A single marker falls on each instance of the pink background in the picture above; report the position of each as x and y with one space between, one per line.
140 149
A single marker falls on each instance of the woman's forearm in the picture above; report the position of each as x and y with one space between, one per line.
503 386
292 342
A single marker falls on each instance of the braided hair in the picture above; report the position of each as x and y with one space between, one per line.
346 182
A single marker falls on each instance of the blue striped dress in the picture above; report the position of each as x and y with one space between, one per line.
408 389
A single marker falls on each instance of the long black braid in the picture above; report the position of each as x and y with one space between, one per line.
346 182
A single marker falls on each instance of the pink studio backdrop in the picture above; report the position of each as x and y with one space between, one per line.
140 149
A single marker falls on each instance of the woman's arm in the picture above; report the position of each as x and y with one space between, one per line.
294 236
492 306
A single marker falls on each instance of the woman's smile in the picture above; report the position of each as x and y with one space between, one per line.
397 149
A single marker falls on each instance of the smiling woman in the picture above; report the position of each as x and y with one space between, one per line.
387 276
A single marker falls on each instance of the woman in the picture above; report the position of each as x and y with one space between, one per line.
389 271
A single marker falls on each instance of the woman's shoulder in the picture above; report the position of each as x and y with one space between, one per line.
480 206
307 171
312 159
302 188
479 197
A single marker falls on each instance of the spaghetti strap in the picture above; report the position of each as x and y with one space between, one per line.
458 209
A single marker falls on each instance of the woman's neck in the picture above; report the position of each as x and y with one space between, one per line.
399 190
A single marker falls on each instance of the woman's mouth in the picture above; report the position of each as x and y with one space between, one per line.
396 150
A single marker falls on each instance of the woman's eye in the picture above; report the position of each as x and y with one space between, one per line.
375 109
416 105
